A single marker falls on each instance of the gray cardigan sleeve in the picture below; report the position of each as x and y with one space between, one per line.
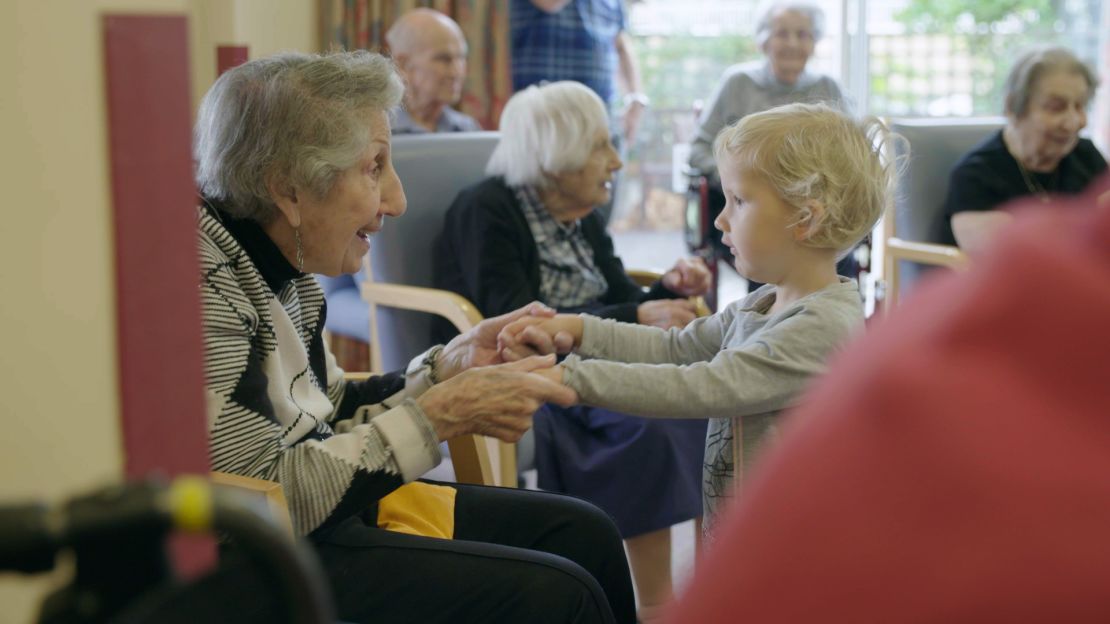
667 374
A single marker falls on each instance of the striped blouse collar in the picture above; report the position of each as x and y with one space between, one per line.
262 251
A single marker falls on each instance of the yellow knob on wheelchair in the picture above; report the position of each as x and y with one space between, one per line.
190 501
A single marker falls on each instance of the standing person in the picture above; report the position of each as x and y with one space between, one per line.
430 52
786 32
585 41
1039 152
955 465
293 160
804 183
531 232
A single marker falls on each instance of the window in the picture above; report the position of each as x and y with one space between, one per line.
915 58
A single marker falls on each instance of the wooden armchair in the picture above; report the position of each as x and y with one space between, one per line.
433 169
476 459
911 227
399 269
266 497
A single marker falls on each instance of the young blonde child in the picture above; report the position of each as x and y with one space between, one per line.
803 184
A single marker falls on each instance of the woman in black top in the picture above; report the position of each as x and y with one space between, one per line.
1038 153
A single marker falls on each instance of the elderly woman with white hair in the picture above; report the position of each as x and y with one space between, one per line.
530 232
1038 153
787 31
293 161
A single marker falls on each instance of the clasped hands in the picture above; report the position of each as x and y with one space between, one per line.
482 393
497 374
689 277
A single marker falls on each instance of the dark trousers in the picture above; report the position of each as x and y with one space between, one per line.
517 556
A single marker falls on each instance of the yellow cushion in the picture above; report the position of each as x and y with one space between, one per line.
419 509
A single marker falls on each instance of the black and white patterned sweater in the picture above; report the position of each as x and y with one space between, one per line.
278 405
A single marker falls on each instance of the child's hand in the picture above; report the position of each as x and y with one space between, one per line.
689 277
533 335
666 313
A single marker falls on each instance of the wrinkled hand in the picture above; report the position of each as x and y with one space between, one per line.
543 336
666 313
555 374
689 277
478 347
495 401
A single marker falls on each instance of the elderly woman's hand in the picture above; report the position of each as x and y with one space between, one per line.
478 347
495 401
689 277
666 313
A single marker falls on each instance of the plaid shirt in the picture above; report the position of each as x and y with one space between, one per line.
577 43
568 276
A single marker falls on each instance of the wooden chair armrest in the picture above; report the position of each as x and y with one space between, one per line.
470 455
927 253
701 308
644 279
897 250
453 307
267 496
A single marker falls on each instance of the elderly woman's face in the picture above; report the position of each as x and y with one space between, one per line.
789 45
583 190
1057 111
335 230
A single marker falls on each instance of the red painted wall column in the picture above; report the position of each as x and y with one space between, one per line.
160 348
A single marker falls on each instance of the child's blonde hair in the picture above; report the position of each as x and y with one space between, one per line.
811 152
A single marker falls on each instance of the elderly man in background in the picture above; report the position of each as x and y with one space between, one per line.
430 51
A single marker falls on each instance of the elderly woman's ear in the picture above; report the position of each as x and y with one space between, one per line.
285 198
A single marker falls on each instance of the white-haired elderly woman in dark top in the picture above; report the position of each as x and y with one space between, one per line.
1038 153
293 161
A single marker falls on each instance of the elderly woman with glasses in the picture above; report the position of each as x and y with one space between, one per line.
1038 153
531 232
293 161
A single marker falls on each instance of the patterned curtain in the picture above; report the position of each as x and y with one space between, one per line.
352 24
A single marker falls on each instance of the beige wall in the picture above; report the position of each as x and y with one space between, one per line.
59 420
264 26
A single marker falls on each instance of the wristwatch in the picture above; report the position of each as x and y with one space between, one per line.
638 97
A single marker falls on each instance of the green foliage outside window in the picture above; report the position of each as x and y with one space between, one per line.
980 17
678 69
954 55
